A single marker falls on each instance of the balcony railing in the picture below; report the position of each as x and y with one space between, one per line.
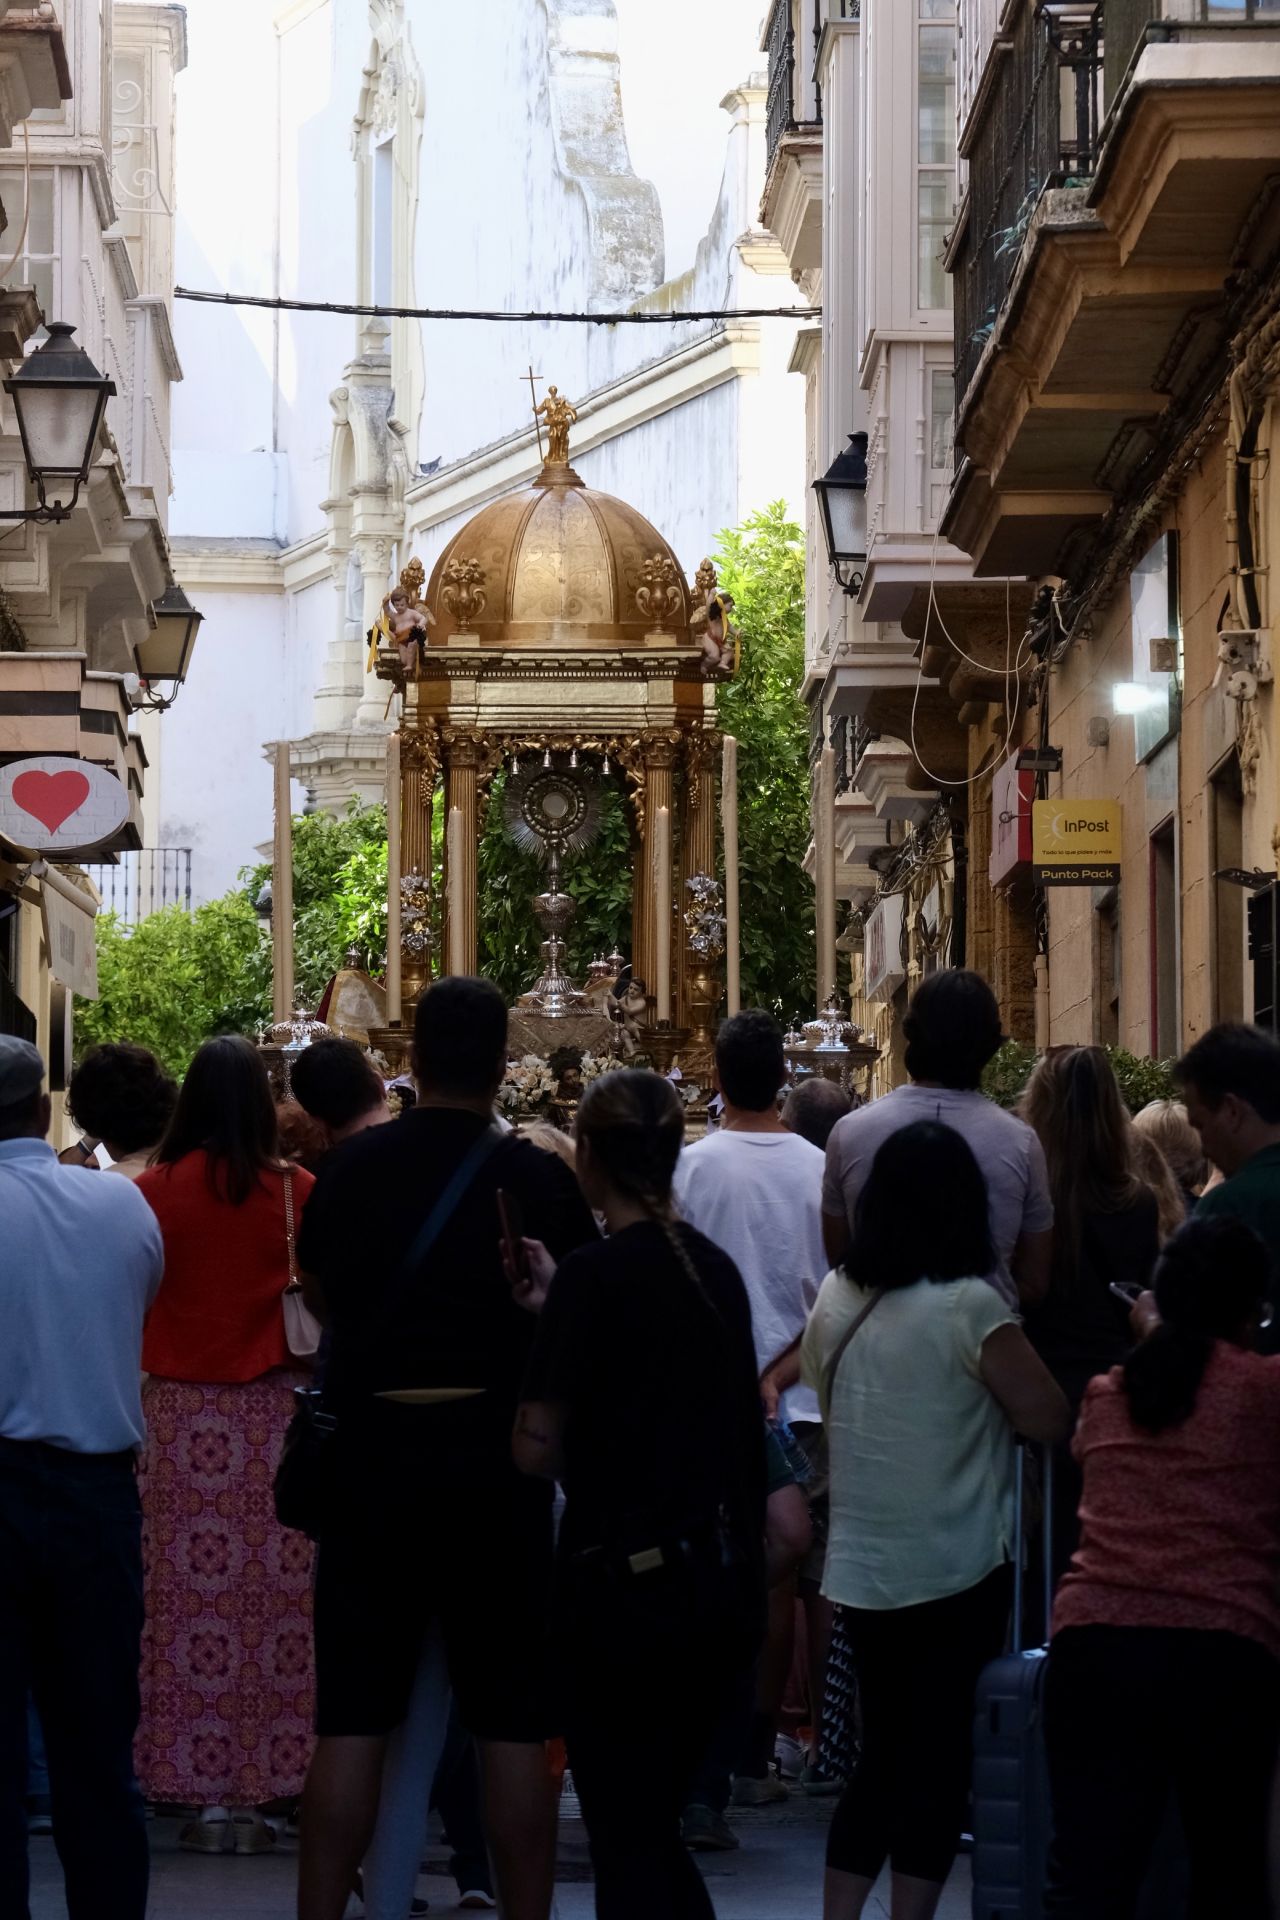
1127 22
784 103
780 107
144 881
1024 146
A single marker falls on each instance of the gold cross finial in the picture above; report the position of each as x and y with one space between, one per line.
531 376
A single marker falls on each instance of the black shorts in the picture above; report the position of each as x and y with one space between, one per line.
474 1558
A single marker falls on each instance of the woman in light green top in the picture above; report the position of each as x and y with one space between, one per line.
924 1374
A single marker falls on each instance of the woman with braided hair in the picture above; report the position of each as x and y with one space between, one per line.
642 1398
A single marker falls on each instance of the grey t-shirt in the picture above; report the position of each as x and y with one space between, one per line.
1006 1149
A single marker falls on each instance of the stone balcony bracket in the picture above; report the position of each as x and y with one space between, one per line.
1112 307
792 205
34 72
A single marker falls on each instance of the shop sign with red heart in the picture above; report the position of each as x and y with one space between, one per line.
52 803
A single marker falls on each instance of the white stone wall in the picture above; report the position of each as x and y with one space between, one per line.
514 187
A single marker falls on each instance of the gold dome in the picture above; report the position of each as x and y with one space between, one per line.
559 563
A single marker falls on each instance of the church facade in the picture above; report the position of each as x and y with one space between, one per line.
599 159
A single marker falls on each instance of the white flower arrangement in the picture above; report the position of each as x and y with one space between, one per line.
527 1085
594 1065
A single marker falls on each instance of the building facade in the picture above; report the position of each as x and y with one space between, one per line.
599 176
86 182
1067 383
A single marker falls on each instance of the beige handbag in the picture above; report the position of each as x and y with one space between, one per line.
302 1331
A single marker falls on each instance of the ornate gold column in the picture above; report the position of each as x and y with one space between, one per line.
697 841
419 764
462 758
651 765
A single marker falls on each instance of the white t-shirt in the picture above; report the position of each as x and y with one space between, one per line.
921 1452
758 1196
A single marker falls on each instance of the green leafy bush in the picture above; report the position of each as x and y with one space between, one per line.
1141 1079
762 566
177 978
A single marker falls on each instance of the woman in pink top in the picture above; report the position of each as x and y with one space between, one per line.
1164 1671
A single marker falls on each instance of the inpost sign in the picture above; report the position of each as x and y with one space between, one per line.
1075 843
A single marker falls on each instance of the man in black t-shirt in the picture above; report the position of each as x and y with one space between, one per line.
429 1523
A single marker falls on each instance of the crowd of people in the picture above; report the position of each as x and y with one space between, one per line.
350 1463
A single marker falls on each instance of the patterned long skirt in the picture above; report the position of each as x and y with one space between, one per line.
228 1680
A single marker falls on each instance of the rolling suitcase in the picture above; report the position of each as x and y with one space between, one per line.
1012 1818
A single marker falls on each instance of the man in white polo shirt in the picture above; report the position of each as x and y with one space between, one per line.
80 1262
755 1189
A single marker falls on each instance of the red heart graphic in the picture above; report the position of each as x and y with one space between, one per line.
50 798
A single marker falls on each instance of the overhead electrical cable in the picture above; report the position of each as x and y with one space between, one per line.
278 304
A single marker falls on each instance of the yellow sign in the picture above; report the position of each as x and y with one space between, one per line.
1075 843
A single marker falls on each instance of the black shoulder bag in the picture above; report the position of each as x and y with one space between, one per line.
304 1476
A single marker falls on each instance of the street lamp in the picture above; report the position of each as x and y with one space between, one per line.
59 397
842 496
165 654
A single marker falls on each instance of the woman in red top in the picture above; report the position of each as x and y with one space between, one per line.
1164 1671
227 1680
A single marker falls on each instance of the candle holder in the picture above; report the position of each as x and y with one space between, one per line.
663 1042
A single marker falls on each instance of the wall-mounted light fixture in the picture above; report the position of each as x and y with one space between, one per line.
59 398
165 655
842 496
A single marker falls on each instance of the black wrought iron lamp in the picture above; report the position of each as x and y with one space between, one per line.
842 496
59 398
164 657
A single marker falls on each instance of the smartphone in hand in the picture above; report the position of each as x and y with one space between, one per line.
511 1221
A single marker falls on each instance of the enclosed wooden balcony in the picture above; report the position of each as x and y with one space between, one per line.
1089 314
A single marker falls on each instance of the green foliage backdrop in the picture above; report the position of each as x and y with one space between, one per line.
762 566
179 977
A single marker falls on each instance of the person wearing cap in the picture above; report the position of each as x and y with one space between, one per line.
80 1263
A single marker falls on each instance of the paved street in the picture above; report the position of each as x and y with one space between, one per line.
776 1876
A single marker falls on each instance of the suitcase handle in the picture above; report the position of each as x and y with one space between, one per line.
1021 1449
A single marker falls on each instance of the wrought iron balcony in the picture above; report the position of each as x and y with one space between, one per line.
1023 146
784 111
1128 21
143 881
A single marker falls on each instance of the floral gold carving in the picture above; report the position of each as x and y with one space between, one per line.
660 595
463 591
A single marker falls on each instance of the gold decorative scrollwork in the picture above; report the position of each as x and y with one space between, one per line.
660 595
700 749
463 592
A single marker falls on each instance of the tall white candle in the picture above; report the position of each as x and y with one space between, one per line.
662 907
732 929
282 890
393 981
457 878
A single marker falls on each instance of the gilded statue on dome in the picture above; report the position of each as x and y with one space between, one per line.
559 415
404 623
711 626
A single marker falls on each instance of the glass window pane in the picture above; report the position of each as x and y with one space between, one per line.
12 192
40 275
937 9
40 231
942 417
936 108
933 220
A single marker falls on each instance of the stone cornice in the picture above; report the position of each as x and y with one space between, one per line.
233 568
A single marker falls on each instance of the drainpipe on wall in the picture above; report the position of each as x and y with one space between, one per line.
1042 1001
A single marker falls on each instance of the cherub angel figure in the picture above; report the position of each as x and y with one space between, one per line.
403 622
